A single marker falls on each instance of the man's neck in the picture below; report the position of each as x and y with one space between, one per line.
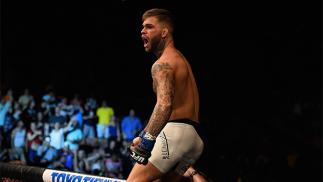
162 46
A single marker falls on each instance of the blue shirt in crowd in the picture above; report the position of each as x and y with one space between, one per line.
130 127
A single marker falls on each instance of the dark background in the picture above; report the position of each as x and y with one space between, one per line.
253 61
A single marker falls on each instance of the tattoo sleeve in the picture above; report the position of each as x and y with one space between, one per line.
164 82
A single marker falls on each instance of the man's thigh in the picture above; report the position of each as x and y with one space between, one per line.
144 173
148 173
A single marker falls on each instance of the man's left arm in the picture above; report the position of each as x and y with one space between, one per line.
163 77
164 83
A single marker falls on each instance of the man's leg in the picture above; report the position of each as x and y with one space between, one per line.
178 157
144 173
148 173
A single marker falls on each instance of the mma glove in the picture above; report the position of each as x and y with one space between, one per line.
141 152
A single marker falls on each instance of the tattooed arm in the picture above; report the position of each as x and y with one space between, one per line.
164 85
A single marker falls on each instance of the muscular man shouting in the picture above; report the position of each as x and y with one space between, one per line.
169 144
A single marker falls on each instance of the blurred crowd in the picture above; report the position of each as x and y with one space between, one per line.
75 134
85 135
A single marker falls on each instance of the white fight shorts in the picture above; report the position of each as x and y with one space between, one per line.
177 146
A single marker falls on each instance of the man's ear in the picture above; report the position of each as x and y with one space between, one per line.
164 32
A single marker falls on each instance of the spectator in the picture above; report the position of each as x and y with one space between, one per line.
40 122
57 136
68 156
8 96
47 154
94 162
114 130
89 124
48 102
73 135
113 166
104 114
65 108
78 116
4 109
91 102
113 148
9 123
29 114
130 125
25 99
56 117
17 111
34 137
81 162
18 139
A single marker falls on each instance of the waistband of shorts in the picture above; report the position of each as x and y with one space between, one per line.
186 121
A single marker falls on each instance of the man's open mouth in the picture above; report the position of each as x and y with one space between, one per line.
145 40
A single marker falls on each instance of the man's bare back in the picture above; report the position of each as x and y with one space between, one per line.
185 86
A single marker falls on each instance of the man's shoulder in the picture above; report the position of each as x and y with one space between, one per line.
162 63
171 61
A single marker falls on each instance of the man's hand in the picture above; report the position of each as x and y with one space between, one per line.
140 149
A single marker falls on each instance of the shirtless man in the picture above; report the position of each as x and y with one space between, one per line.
169 144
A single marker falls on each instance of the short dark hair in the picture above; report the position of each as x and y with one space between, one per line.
163 15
